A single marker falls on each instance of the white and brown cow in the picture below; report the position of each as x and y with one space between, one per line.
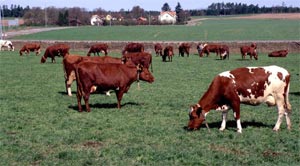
8 44
247 85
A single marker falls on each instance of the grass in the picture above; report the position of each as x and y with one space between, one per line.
208 30
40 124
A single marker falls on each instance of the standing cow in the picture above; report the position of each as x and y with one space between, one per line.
184 48
133 47
249 50
55 50
8 44
70 62
104 77
143 58
30 47
168 52
158 49
97 48
247 85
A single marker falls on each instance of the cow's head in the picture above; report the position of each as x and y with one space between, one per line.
197 117
144 74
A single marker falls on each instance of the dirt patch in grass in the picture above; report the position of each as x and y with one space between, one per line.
290 16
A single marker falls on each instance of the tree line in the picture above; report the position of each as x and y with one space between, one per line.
63 16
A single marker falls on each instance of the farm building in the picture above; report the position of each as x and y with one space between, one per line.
96 20
167 17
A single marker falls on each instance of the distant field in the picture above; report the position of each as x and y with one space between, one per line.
208 30
40 124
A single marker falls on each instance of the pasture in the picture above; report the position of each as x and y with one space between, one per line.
40 124
206 30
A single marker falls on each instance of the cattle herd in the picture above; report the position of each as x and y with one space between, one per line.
247 85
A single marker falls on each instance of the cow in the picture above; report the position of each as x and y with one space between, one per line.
184 48
247 85
133 47
207 48
158 49
168 52
143 58
8 44
224 52
30 47
279 53
249 50
98 48
104 77
70 62
55 50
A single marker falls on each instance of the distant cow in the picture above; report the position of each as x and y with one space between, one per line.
220 50
55 50
97 48
8 44
70 62
30 47
158 49
249 50
104 77
184 48
247 85
279 53
133 47
168 52
143 58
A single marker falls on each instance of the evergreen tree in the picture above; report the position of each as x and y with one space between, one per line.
166 7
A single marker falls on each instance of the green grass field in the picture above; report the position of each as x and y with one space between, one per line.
40 124
208 30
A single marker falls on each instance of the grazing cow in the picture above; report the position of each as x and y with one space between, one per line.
168 52
247 85
31 47
8 44
98 48
70 61
207 48
184 48
143 58
280 53
55 50
118 77
249 50
133 47
158 49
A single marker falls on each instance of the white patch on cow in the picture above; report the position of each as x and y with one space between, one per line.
69 91
107 93
93 89
227 74
270 101
223 108
225 53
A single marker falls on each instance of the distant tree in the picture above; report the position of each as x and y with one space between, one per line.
137 11
63 19
34 16
166 7
180 14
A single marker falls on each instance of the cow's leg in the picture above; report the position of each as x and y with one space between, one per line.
224 119
86 97
281 112
79 96
236 113
119 94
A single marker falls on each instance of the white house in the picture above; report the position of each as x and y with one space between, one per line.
167 17
96 20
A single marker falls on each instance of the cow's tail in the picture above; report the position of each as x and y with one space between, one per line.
287 104
151 64
78 82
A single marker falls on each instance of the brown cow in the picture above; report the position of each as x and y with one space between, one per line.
104 77
247 85
158 49
207 48
70 62
224 51
184 48
279 53
249 50
133 47
168 52
31 47
143 58
55 50
97 48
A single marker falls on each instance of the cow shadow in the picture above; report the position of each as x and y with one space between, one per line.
295 93
104 105
231 125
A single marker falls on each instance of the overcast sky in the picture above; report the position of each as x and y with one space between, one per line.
156 5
